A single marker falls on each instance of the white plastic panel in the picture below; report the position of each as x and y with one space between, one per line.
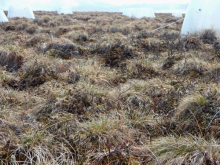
202 15
65 10
24 11
129 12
3 17
139 12
178 15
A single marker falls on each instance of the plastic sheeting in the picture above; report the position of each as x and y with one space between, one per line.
65 10
24 11
128 12
202 15
178 15
3 17
139 12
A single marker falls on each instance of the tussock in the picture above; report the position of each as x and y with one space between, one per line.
66 51
11 61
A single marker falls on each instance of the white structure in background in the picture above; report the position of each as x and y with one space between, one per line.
24 11
65 10
139 12
128 12
3 17
201 15
179 15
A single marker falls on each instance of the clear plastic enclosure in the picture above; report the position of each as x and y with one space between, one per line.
202 15
24 11
178 15
65 10
139 12
3 17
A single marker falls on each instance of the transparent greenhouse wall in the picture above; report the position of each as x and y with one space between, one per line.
65 10
145 12
20 11
129 12
139 12
3 17
202 15
178 15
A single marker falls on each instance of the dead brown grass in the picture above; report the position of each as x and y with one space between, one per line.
102 88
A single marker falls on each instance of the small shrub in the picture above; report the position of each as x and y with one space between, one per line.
65 51
46 19
31 30
10 28
155 47
192 42
21 27
12 61
115 54
73 77
33 41
168 63
216 47
61 31
208 37
170 36
114 30
82 37
35 73
191 67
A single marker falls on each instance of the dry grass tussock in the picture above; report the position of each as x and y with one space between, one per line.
102 88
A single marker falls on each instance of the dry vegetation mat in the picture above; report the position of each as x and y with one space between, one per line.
102 88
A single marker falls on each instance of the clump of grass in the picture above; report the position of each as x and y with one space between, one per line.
92 71
101 125
10 28
115 54
208 37
33 152
61 31
155 46
140 69
35 73
192 67
184 150
12 98
31 30
34 41
46 19
195 112
64 51
191 103
169 36
192 42
216 46
143 34
81 37
11 61
22 26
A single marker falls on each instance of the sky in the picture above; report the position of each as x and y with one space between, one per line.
96 5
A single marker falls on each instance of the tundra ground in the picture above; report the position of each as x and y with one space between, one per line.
102 88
